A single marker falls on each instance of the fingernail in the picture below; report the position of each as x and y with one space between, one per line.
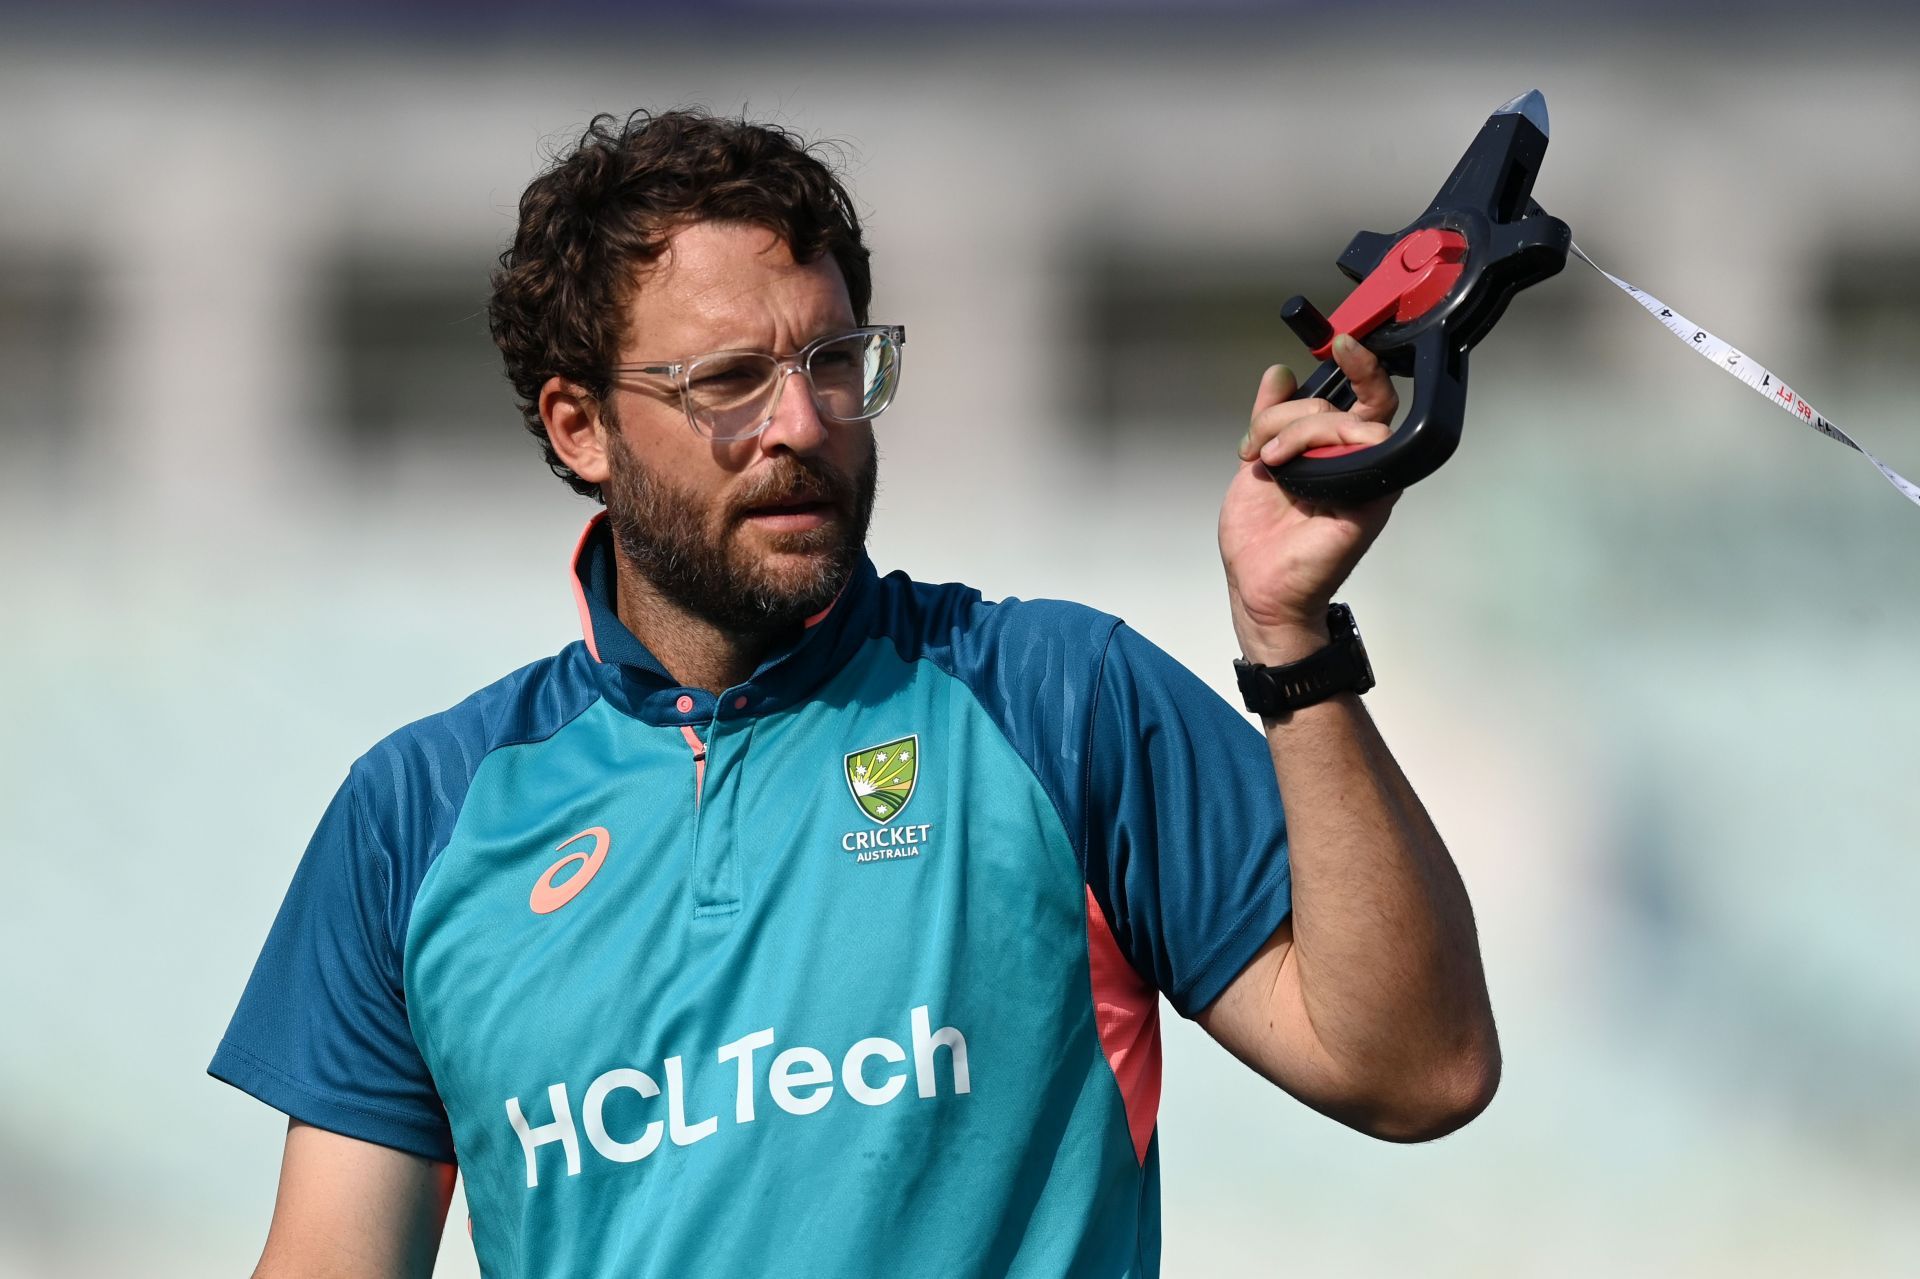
1344 344
1246 442
1281 370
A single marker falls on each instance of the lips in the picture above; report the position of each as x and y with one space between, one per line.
803 495
794 497
792 516
796 507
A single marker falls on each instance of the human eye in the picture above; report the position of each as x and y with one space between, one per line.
840 354
727 373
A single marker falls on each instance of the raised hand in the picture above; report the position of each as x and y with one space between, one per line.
1285 556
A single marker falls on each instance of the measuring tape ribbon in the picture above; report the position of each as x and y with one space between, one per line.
1737 362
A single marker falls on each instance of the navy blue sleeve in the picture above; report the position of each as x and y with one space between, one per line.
1185 844
321 1032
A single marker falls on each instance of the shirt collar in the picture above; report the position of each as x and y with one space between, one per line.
638 684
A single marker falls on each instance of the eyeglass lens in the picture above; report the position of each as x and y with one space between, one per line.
853 379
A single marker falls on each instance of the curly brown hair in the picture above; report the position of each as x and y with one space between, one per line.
608 205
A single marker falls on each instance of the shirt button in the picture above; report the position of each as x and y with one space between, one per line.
740 702
684 705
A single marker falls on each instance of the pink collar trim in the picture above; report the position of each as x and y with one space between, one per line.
821 616
580 591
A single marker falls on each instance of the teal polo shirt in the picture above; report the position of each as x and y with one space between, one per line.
852 969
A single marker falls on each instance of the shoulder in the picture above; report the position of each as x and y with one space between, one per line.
1050 672
951 625
1033 667
410 784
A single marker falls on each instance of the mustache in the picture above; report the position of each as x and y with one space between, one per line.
793 482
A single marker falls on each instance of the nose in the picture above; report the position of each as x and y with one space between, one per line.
796 424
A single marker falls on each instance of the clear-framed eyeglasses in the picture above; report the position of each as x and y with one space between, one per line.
732 395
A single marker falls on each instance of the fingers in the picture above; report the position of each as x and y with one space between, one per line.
1276 385
1319 430
1374 398
1273 410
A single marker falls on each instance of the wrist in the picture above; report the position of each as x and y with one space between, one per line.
1277 644
1274 636
1294 665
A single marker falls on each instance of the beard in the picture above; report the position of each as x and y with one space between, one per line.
700 558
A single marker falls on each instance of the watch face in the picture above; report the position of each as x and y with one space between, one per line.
1346 632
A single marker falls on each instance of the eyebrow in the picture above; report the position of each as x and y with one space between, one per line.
846 325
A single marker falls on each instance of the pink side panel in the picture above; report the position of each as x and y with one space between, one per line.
1126 1010
579 592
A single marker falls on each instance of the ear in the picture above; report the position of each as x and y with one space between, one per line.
572 419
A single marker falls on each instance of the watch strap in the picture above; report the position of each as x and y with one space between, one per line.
1340 667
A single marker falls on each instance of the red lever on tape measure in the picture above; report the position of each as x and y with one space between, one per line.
1411 279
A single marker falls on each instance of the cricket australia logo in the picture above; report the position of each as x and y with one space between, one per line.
882 779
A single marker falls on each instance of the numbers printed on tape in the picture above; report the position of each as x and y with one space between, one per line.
1747 370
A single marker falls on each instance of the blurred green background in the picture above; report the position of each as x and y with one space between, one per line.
1645 646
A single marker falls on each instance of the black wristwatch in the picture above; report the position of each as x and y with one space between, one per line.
1340 667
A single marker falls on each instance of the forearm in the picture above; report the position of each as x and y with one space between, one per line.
1369 1001
1383 959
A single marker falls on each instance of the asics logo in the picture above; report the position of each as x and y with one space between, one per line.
548 896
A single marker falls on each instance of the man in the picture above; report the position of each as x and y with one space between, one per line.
801 919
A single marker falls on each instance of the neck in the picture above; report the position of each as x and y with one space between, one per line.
697 653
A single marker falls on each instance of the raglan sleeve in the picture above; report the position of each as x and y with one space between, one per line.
1186 843
321 1030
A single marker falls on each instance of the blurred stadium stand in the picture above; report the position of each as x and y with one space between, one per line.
1645 646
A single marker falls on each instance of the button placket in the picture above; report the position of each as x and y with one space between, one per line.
716 870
